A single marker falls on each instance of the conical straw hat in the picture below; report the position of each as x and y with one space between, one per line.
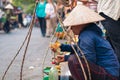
81 15
9 6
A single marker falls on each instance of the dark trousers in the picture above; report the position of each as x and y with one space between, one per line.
97 72
42 22
6 26
113 33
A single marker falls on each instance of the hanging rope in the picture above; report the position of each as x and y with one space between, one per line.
27 37
83 56
14 58
60 20
61 23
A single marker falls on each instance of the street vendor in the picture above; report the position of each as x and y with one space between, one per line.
101 58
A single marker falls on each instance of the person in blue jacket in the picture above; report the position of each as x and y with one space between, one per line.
101 58
41 15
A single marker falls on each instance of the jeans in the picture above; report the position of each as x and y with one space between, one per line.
42 22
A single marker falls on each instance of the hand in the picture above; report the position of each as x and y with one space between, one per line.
47 16
60 58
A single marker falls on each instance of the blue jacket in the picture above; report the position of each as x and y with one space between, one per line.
96 49
40 10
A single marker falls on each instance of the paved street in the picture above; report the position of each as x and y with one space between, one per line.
9 45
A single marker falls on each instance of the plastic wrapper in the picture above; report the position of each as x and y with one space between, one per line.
65 73
53 74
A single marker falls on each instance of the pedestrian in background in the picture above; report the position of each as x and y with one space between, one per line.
20 17
50 18
40 13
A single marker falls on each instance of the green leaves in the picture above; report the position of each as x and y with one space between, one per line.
26 5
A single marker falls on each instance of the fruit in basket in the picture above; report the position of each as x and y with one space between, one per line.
58 67
60 35
55 45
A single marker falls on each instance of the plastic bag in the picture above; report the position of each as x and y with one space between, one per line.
53 74
65 73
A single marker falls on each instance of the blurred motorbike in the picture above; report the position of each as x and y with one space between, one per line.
4 24
7 21
7 25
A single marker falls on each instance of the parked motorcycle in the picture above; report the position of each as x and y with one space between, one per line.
4 24
7 25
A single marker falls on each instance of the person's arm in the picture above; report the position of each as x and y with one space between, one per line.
37 9
47 11
67 48
62 58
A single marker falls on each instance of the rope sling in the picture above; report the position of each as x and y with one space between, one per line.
83 70
27 39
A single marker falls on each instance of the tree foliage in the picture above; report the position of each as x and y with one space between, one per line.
26 5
